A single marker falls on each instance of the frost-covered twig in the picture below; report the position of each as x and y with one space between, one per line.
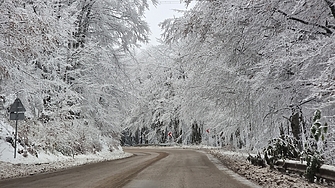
328 31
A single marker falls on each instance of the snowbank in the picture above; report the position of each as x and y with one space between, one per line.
45 162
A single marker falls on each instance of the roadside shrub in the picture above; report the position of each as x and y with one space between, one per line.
313 153
284 147
257 160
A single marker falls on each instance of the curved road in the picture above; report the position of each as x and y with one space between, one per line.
148 168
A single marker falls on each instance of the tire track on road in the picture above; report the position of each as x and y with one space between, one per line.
121 179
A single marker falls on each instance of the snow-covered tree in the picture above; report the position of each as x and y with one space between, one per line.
156 82
64 59
254 65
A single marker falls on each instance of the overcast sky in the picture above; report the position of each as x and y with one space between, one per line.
158 14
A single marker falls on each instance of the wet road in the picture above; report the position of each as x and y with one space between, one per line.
148 168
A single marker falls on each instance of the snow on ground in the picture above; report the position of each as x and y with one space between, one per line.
235 161
267 178
46 162
52 163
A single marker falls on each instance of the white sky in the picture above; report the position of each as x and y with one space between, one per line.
158 14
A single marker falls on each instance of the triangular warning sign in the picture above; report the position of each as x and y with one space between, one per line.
17 106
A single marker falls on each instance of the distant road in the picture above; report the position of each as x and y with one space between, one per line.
148 168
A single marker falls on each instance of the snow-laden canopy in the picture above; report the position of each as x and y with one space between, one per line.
235 71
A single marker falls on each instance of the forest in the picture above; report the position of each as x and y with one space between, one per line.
229 73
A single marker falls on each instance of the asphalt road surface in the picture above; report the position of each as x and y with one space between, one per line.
148 168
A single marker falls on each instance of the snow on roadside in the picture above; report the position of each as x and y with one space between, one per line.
267 178
45 162
53 163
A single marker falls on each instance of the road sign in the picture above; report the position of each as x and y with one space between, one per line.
16 116
17 106
16 113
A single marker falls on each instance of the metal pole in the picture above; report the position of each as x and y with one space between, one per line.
207 137
215 138
15 138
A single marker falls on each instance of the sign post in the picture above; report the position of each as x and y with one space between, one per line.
16 113
208 137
